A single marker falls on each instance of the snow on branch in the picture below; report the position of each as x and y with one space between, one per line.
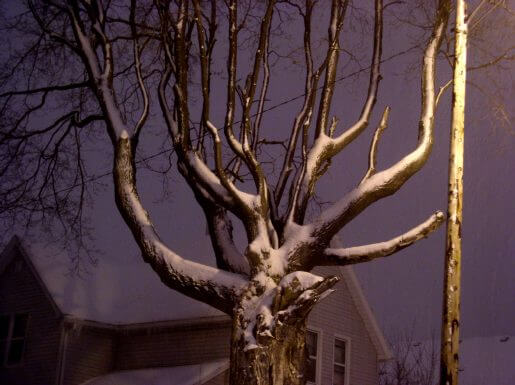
282 303
325 146
245 200
358 254
372 155
102 75
388 181
205 283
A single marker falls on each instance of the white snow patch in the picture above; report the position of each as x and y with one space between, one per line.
305 279
177 375
264 280
114 293
277 262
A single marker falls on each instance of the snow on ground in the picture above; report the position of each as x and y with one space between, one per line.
177 375
115 293
487 361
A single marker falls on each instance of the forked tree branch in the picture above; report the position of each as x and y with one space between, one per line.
193 279
388 181
250 89
100 76
372 155
279 243
302 120
326 147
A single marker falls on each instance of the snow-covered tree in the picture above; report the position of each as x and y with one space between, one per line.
117 62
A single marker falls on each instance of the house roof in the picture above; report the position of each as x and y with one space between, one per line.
9 253
177 375
110 293
365 311
131 293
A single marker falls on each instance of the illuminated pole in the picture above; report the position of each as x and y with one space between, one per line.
452 286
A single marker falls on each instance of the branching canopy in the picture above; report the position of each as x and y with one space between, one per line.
108 65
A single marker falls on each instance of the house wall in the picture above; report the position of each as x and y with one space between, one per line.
20 292
337 315
180 345
88 353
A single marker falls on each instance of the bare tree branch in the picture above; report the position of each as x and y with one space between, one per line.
372 156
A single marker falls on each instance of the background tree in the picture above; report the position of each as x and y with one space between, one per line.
80 69
414 362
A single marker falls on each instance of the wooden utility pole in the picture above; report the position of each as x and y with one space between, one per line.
452 285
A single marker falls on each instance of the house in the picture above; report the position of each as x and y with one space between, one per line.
115 327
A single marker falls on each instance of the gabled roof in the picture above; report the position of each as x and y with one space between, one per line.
125 295
9 253
111 293
365 311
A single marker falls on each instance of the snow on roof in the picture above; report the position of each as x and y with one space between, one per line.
177 375
112 293
487 360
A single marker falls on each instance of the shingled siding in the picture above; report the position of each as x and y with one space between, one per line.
179 345
20 292
89 353
337 315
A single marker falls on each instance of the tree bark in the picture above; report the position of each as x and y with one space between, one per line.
269 329
278 361
449 361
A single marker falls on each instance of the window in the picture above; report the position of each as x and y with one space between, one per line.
13 330
340 361
312 353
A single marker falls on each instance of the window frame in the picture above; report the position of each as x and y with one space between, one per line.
346 365
12 317
318 365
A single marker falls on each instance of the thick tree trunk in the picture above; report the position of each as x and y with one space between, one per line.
269 329
277 361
